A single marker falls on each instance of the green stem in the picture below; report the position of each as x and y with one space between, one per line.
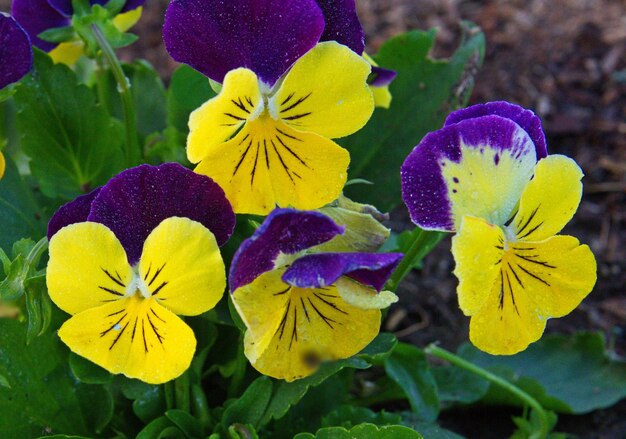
422 245
528 400
170 395
123 86
181 385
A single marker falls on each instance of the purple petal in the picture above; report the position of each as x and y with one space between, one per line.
75 211
16 53
381 77
36 16
132 4
283 231
342 24
425 191
265 36
528 120
65 6
134 202
323 269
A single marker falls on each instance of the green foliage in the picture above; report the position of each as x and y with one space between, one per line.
363 431
73 144
188 90
407 366
551 370
456 385
424 92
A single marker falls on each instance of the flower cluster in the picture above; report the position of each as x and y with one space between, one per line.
486 176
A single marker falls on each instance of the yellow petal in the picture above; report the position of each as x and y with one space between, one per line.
478 251
2 165
182 267
134 336
550 199
508 322
326 92
87 267
219 118
292 330
126 20
557 274
364 297
382 96
68 53
268 164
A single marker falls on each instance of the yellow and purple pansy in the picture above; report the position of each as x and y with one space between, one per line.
16 57
266 137
486 176
37 16
301 308
129 257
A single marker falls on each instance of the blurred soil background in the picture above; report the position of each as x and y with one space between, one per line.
565 60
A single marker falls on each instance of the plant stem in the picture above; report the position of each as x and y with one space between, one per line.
423 243
182 391
123 87
438 352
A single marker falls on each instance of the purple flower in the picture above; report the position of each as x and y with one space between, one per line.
478 164
265 36
16 53
301 307
136 201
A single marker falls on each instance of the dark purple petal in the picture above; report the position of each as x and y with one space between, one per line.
75 211
265 36
16 53
342 24
424 188
323 269
283 231
381 77
65 6
528 120
134 202
36 16
133 4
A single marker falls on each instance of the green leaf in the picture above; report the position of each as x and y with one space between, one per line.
20 215
241 431
42 392
251 406
185 422
456 385
73 144
551 370
407 366
58 34
363 431
88 372
156 428
38 306
148 399
429 430
424 92
348 416
188 90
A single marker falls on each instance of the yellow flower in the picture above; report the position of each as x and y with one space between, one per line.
514 277
124 317
2 165
268 147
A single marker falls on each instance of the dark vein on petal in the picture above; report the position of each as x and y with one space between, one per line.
530 218
297 116
519 281
306 312
243 156
156 315
234 117
288 135
102 334
282 292
159 288
282 161
291 151
283 322
240 105
531 231
154 329
109 290
326 320
132 337
527 259
118 282
156 274
143 334
119 335
332 305
533 275
287 99
256 159
295 104
294 331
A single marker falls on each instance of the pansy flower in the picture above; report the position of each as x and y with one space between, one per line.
479 176
301 307
265 137
130 256
37 16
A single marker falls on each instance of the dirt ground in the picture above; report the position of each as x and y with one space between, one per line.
566 60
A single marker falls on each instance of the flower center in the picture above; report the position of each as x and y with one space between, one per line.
137 285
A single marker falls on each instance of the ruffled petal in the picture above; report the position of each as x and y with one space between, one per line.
37 16
219 118
322 269
556 274
76 211
265 36
341 24
285 231
364 297
135 336
268 164
134 202
292 330
550 199
526 119
478 248
16 53
326 92
182 267
87 268
476 167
